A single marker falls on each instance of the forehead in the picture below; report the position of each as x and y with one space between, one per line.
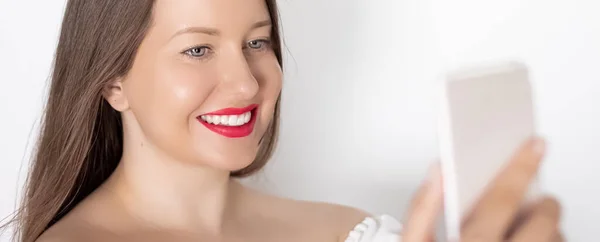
220 14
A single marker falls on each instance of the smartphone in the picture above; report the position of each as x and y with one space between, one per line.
486 113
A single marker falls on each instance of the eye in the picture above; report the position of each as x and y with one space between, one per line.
255 44
258 44
197 51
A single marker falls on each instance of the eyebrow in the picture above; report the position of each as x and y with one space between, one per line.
215 32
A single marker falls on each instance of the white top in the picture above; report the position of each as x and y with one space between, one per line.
384 228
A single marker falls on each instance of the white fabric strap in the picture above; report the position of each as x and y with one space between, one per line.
384 228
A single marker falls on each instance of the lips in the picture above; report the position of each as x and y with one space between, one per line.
231 122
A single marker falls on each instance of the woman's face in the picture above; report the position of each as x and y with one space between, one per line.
205 81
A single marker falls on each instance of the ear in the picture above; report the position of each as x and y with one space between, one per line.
113 93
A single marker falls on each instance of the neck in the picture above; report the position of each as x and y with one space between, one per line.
172 194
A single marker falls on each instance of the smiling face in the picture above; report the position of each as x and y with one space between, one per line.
205 82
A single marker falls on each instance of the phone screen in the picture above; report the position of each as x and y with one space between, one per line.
486 114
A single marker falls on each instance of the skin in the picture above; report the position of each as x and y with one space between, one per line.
173 181
498 215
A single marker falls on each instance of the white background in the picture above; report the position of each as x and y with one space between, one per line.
358 122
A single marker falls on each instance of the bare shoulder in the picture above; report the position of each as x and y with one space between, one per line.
55 236
335 218
342 215
332 219
74 227
65 231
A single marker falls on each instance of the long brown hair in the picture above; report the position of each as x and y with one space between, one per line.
81 141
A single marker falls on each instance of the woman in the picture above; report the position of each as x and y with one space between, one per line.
157 106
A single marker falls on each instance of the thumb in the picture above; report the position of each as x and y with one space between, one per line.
424 209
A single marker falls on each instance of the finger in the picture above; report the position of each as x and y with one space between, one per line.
424 209
496 209
558 237
541 225
522 216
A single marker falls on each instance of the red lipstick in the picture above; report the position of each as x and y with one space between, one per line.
228 129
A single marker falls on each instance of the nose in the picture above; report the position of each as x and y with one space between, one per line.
237 78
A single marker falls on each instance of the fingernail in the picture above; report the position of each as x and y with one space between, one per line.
539 146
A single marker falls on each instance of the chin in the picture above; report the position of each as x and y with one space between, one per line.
225 153
228 160
233 164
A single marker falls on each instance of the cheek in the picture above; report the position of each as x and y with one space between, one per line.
183 88
165 100
268 73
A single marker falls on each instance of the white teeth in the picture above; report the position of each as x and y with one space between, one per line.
232 120
239 120
228 120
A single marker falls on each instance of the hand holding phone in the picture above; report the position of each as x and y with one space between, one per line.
497 216
489 164
486 114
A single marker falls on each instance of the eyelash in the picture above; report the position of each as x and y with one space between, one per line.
205 50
